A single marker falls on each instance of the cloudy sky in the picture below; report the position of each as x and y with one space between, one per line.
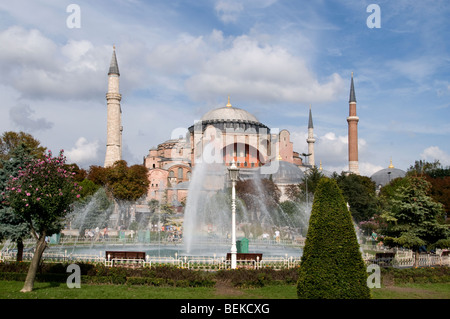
180 58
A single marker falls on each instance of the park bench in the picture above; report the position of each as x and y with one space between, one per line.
246 260
127 258
383 259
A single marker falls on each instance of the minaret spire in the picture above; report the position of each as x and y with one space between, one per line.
352 120
113 66
352 91
311 140
114 114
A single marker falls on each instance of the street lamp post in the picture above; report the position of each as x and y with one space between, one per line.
234 174
306 176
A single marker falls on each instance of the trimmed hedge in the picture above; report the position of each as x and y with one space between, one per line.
332 266
174 277
416 275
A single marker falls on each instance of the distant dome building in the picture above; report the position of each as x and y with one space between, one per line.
325 172
386 175
222 135
286 174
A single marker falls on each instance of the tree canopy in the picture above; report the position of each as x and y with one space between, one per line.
413 217
331 266
41 194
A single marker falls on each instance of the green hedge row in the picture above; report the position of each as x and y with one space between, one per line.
172 276
416 275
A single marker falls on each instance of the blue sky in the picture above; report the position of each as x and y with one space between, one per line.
179 59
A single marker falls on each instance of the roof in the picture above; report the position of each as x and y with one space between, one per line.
310 123
352 91
287 173
386 175
229 114
113 66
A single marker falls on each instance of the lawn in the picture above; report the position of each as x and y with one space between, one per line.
11 290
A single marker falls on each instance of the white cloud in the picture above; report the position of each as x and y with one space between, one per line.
37 67
367 169
83 152
265 73
433 153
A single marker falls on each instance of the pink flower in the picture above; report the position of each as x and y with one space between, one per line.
78 195
28 194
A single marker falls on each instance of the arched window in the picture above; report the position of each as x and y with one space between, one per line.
171 174
180 172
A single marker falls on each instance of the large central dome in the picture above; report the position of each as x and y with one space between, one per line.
230 117
229 114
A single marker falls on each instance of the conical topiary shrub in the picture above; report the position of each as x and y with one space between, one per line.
332 266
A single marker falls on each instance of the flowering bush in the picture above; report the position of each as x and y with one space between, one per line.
43 192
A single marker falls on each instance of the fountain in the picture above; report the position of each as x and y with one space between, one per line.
207 217
206 221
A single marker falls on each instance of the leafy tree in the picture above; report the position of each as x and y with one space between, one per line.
422 167
261 200
332 266
10 140
97 174
439 178
359 193
253 195
12 225
310 181
125 184
42 195
412 221
91 211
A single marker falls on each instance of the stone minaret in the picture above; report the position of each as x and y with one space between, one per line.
114 122
311 140
352 120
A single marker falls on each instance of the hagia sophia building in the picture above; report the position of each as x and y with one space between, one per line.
226 134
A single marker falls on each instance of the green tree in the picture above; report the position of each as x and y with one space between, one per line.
42 195
12 225
412 222
10 140
359 193
310 181
332 266
91 211
126 185
422 167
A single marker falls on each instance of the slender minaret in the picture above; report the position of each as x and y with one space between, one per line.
114 122
311 140
352 120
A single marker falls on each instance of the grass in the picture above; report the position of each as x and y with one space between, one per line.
11 290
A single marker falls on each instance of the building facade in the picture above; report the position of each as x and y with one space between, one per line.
221 136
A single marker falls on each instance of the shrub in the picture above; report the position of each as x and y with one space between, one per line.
332 266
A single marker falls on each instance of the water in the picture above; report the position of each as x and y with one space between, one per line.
206 220
207 216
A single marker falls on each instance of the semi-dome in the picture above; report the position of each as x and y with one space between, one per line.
287 173
386 175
